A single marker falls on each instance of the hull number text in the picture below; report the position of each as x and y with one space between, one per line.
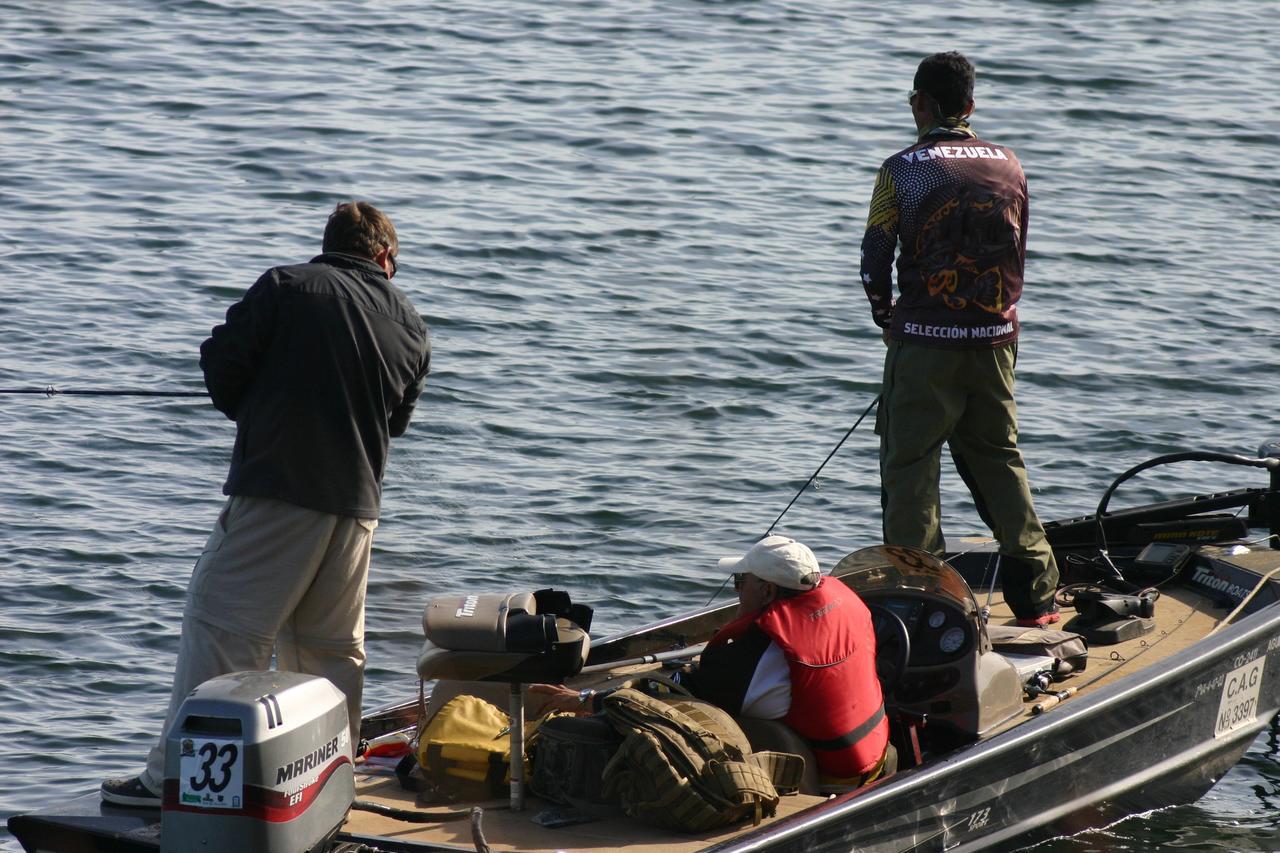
1240 690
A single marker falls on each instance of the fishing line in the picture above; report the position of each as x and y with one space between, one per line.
812 477
823 465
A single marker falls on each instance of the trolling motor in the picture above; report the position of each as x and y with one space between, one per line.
1105 618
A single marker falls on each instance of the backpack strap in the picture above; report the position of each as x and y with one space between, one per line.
784 769
404 773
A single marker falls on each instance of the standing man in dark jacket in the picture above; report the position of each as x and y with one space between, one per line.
319 365
958 206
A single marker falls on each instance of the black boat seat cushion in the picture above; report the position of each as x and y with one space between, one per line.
777 736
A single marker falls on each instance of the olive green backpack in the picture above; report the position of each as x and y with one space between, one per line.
685 764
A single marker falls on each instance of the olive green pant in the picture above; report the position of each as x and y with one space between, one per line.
963 397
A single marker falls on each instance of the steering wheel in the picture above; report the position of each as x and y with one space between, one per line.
893 647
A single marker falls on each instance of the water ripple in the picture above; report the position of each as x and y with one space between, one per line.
634 230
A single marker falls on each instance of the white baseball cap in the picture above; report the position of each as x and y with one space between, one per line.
779 560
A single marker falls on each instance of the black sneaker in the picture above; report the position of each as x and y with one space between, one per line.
129 791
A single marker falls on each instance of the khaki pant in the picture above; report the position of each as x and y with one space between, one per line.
964 398
274 576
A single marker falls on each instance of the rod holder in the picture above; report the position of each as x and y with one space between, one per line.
517 747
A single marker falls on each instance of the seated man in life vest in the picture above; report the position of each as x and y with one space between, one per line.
801 651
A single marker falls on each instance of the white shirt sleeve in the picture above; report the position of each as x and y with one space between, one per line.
768 696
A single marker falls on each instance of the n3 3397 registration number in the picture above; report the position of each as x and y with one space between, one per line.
1239 705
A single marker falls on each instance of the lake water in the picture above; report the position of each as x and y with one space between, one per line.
633 228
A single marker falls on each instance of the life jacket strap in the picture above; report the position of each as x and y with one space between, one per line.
847 740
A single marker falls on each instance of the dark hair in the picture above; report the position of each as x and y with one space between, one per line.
948 79
359 228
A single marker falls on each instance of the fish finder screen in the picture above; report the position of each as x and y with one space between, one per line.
1163 554
907 611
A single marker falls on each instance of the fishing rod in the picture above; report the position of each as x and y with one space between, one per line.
824 464
54 391
656 657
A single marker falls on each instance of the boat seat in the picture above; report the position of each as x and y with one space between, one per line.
518 639
521 638
777 736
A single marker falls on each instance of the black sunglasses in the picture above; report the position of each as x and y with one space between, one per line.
739 580
394 266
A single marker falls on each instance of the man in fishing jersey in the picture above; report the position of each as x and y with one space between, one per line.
958 206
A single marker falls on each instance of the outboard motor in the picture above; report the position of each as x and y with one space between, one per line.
257 761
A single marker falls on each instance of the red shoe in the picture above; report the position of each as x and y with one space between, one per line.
1047 618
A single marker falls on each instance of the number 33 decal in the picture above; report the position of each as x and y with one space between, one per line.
224 759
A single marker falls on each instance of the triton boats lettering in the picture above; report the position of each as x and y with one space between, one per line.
1206 578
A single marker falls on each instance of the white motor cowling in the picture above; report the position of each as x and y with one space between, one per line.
257 761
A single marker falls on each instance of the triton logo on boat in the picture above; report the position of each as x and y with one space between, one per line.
1207 578
468 608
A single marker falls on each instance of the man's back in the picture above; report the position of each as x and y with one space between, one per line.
808 660
828 641
958 204
319 365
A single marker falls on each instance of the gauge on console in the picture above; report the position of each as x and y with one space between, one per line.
951 641
936 618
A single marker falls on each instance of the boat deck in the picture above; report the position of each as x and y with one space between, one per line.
507 830
1183 617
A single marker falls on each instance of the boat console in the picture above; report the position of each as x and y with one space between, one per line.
951 675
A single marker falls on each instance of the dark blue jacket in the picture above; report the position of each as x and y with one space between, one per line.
319 365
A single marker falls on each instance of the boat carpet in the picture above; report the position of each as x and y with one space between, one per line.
508 831
1183 618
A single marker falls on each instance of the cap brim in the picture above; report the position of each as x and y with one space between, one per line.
728 564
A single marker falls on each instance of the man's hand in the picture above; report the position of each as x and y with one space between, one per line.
560 698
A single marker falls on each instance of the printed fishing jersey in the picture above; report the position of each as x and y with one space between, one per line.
958 206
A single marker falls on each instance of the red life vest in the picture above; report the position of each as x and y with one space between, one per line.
836 705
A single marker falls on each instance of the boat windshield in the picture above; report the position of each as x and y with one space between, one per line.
890 567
